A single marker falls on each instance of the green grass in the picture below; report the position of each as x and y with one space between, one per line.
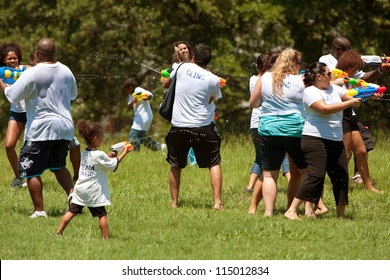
144 226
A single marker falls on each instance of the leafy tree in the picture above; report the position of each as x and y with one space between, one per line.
106 41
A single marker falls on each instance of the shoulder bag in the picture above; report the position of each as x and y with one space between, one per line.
166 106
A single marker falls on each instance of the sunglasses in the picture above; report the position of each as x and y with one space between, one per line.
329 74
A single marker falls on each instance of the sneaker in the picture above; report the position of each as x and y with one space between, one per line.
37 214
357 178
18 184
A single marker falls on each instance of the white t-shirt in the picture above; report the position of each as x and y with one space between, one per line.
143 115
320 125
91 188
194 87
331 62
282 104
256 112
47 90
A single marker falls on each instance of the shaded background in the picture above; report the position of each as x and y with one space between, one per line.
104 42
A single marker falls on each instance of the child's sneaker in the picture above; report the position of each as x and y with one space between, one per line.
18 184
357 178
37 214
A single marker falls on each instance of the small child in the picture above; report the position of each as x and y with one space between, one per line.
91 188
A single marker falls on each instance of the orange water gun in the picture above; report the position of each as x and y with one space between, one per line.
120 147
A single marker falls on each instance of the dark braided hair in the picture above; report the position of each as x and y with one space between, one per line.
314 69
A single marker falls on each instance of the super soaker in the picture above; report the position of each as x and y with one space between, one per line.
366 92
9 75
121 146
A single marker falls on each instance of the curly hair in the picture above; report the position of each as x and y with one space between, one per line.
285 64
5 48
350 59
89 130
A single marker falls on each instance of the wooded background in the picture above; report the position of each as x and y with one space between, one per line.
104 42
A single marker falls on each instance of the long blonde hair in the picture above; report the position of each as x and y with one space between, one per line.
284 65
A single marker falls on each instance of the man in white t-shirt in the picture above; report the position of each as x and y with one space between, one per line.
47 89
192 125
339 46
143 116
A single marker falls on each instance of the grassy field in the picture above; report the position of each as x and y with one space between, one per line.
144 226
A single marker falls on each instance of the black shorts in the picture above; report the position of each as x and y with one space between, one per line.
95 211
274 149
36 157
205 141
350 121
18 117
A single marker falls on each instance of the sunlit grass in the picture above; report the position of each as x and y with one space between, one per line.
144 226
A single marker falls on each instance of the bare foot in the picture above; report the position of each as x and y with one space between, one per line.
310 215
320 211
375 190
292 216
218 207
175 205
252 210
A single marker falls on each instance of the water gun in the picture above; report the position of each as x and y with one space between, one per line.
9 75
337 73
120 146
222 82
166 73
366 92
191 157
141 96
376 60
355 82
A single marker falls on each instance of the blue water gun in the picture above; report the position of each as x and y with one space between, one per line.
9 75
366 92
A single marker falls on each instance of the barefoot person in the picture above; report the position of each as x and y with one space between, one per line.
322 141
196 89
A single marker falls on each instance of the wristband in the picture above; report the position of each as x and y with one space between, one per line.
380 70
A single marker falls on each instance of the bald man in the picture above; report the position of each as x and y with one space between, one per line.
47 89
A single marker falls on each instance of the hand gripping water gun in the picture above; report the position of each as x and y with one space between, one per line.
376 60
366 92
166 73
141 96
120 146
9 75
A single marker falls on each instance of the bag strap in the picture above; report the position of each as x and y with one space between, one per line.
178 69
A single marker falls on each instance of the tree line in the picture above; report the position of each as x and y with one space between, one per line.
104 42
